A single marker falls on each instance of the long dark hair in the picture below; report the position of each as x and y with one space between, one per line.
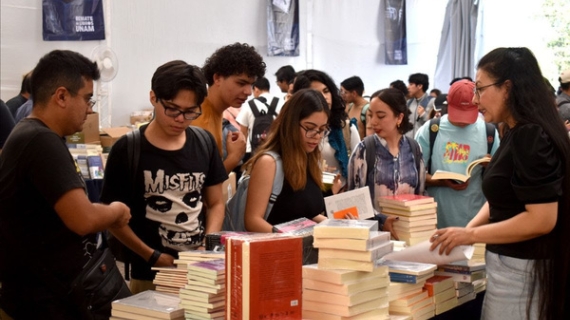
285 139
395 99
530 101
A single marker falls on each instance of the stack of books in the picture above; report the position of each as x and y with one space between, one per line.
416 213
263 276
407 296
442 290
302 227
169 279
350 244
345 294
203 297
466 275
147 305
478 253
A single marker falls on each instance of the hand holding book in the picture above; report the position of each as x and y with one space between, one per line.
441 174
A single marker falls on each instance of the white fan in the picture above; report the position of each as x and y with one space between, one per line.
108 65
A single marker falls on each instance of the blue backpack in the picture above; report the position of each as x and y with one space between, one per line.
235 207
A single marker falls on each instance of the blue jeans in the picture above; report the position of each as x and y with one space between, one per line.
508 288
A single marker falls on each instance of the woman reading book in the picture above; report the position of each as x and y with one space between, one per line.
295 136
396 166
526 220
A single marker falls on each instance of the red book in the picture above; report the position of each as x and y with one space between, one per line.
405 200
437 284
264 277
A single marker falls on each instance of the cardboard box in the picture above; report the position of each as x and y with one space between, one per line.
109 136
90 132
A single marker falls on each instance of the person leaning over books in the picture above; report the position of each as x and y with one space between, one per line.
48 225
178 171
295 136
396 165
526 220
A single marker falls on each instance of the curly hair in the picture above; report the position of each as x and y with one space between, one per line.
338 114
232 60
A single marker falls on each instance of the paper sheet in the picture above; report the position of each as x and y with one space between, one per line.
420 253
359 198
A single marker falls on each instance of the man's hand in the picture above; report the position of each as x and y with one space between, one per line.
455 185
421 111
124 214
389 226
165 260
235 144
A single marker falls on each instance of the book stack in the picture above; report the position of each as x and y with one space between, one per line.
263 276
442 290
465 274
147 305
89 160
416 213
407 296
344 294
350 244
478 253
203 297
302 227
169 279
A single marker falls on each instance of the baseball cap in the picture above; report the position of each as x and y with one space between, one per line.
565 76
460 102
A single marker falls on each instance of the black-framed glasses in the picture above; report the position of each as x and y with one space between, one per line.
192 114
311 133
477 90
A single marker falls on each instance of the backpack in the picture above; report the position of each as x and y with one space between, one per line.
434 129
371 159
235 207
262 122
119 250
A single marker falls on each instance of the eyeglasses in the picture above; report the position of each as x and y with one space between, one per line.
311 133
91 103
174 112
477 90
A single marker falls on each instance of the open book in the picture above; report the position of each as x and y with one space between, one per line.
357 202
441 175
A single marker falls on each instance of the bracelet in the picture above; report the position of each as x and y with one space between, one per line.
154 257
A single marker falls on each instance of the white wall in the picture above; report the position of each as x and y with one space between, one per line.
346 38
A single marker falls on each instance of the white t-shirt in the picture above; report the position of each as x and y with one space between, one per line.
246 117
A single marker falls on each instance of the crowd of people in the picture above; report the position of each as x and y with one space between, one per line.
168 197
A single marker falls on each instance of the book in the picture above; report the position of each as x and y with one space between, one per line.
459 277
344 300
405 200
311 271
378 313
344 228
446 305
151 303
415 230
208 269
437 284
200 255
298 226
468 297
441 174
429 216
444 296
373 254
348 288
196 315
410 210
409 278
402 223
410 299
376 238
406 267
357 200
264 276
345 264
411 308
346 311
417 214
81 161
95 164
464 266
118 314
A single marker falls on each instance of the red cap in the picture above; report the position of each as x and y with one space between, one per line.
460 105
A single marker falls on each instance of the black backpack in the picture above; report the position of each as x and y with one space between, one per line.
262 122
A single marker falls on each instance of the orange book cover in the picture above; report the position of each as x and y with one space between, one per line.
341 214
405 200
266 278
437 284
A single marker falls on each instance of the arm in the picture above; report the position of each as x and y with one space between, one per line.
213 199
258 193
481 218
536 220
83 217
235 145
319 218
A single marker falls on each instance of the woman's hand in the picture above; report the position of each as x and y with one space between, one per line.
337 184
389 226
449 238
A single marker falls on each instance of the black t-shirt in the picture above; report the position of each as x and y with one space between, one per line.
36 169
526 169
167 193
290 205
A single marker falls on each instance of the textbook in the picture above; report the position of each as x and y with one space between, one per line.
151 304
405 200
345 228
441 174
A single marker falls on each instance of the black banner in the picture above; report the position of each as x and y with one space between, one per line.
395 32
283 28
73 20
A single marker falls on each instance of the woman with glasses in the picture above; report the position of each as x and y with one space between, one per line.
295 137
344 136
398 167
526 220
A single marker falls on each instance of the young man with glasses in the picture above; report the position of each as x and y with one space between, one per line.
230 73
178 173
